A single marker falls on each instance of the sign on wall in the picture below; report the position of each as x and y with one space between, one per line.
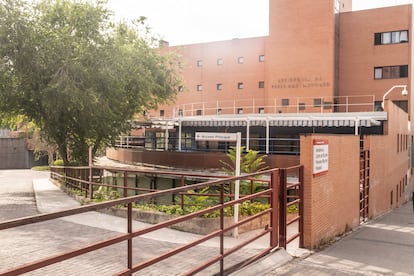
215 136
320 156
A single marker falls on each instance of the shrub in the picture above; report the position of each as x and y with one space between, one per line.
58 162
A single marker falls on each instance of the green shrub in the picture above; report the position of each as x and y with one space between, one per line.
104 193
58 162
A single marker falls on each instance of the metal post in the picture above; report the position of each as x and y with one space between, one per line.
237 184
282 209
274 203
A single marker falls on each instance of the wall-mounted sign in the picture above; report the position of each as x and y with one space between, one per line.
215 136
320 156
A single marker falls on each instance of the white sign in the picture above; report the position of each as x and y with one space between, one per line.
320 156
215 136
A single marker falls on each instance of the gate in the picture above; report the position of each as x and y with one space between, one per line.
364 171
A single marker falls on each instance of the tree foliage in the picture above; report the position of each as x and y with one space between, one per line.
250 162
80 77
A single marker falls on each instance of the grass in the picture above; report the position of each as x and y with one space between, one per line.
41 168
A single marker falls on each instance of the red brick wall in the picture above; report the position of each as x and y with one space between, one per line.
331 201
389 163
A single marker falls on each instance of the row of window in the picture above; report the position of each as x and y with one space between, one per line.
391 72
220 61
394 37
219 86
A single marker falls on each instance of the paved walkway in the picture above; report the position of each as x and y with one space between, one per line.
33 242
384 246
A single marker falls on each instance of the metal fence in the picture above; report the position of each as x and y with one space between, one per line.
276 190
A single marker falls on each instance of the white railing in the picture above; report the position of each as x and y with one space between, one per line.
360 103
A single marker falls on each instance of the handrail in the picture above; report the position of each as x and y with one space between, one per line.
128 201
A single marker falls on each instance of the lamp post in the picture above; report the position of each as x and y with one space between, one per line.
404 92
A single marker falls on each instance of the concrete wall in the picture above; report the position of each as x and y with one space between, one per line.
13 154
331 202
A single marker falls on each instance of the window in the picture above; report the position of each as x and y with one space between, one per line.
239 110
240 60
261 58
162 113
317 102
240 85
218 111
391 37
219 61
391 72
285 102
219 86
180 112
261 84
199 63
261 110
199 112
302 106
180 88
199 87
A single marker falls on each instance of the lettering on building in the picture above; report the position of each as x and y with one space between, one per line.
300 82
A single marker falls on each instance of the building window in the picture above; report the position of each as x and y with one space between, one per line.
261 84
240 85
302 106
180 88
239 110
285 102
391 72
219 61
240 60
218 112
199 112
391 37
199 63
199 87
261 110
317 102
219 86
261 58
180 112
162 113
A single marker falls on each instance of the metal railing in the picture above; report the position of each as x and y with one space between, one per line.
326 104
278 179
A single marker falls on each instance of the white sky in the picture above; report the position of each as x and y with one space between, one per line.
193 21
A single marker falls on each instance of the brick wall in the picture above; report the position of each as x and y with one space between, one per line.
389 163
331 202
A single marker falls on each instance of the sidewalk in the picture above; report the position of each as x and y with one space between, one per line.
49 198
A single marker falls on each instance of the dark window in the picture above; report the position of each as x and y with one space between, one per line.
199 63
180 112
162 112
180 88
218 111
199 87
219 86
317 102
261 84
240 85
394 37
302 106
199 112
391 72
261 110
285 102
239 110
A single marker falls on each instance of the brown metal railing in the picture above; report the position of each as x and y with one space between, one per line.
277 181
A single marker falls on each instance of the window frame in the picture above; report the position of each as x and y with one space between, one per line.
391 37
390 72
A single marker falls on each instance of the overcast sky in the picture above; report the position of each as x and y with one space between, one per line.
193 21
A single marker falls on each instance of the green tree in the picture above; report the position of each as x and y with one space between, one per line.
80 77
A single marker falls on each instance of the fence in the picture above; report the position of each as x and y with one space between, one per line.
276 178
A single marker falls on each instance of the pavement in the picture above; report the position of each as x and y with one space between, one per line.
384 246
35 241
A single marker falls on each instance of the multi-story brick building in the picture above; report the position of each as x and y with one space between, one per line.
322 70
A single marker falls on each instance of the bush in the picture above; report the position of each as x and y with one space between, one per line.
58 162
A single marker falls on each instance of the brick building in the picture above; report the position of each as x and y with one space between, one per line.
324 72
